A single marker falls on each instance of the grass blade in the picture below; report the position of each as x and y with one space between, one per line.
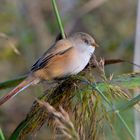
2 135
11 83
129 104
58 18
128 81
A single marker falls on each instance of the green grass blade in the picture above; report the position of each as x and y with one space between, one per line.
129 104
128 81
2 135
15 134
11 83
58 18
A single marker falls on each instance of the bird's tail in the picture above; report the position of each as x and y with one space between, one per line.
23 85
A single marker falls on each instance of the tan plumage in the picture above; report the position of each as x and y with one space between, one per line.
66 57
62 55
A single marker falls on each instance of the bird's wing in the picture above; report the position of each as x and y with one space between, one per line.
59 47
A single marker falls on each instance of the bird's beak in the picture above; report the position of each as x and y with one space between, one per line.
95 45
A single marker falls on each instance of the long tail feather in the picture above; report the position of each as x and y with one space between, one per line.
23 85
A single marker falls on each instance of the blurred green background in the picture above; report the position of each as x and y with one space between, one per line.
30 26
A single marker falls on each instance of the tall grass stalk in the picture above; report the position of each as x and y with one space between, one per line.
58 18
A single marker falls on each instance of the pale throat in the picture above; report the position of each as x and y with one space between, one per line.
91 49
87 49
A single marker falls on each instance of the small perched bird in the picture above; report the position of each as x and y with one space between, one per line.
65 58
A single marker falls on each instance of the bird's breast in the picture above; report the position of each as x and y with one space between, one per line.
80 61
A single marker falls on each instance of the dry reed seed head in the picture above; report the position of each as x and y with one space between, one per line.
62 120
11 42
116 90
96 63
49 108
67 135
111 77
65 125
101 64
64 113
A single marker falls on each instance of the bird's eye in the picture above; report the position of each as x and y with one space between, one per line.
86 41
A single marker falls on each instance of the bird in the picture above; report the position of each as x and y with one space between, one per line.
64 58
